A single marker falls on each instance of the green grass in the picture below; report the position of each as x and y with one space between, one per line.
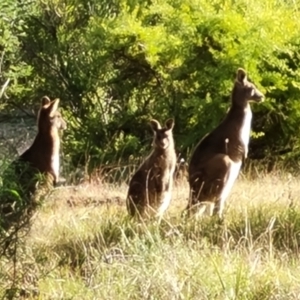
83 246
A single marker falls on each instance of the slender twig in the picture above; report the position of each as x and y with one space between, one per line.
4 87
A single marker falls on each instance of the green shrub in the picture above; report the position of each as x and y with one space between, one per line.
115 65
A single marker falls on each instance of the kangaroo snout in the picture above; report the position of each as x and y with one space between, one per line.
258 96
63 125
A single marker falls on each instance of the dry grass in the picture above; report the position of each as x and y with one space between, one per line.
83 246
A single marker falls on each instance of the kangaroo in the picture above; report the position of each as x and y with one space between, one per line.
42 158
22 184
150 188
216 160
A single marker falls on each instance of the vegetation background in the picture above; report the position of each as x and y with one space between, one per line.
115 64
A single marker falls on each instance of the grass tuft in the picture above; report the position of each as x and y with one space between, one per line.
93 250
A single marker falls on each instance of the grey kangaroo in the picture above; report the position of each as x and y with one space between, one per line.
216 160
37 169
150 188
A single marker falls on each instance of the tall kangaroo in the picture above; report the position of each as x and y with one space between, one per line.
35 171
42 158
150 188
217 159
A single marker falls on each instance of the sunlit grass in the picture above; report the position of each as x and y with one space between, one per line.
84 246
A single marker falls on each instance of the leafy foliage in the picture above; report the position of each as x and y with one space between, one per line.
116 64
13 69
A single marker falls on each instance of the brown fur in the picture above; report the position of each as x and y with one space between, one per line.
36 170
43 155
151 186
222 149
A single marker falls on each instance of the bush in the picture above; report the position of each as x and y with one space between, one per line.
115 65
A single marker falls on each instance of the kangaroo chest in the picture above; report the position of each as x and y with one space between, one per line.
245 129
55 159
55 164
164 162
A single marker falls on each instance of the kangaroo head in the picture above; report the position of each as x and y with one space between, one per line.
49 117
162 136
245 90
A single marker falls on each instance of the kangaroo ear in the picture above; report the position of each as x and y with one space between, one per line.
170 124
241 76
53 106
155 125
45 101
